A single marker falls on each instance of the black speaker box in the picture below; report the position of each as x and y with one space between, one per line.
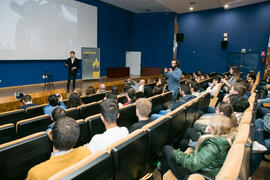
180 37
224 44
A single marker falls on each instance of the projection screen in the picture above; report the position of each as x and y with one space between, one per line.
45 29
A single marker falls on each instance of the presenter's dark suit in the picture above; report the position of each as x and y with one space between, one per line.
72 73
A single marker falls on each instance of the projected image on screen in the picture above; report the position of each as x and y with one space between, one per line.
46 29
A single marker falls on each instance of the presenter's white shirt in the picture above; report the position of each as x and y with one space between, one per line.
102 141
72 60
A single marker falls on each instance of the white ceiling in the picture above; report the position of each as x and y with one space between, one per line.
178 6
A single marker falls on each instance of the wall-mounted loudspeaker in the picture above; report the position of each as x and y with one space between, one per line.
224 44
180 37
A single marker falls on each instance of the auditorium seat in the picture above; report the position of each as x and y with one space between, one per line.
98 97
127 116
30 126
84 133
177 122
152 85
95 125
158 134
191 112
65 102
129 155
122 99
12 116
232 164
157 100
94 167
206 102
89 110
7 133
73 113
167 96
35 111
18 156
86 99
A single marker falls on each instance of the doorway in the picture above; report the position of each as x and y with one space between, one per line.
133 61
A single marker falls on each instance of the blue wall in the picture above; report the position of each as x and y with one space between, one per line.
114 39
152 34
247 27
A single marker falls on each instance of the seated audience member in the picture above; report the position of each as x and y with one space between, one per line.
239 104
194 89
246 84
114 90
141 85
78 92
90 90
235 76
251 79
54 102
131 96
143 109
261 143
74 100
57 113
109 115
112 96
237 88
250 73
132 83
200 72
208 156
200 128
64 136
101 89
158 89
185 91
148 92
194 75
207 76
212 89
27 102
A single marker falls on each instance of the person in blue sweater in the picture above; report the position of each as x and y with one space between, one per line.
174 75
54 102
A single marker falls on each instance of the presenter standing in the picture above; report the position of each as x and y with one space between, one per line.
174 75
73 65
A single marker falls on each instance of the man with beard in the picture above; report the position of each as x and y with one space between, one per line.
174 75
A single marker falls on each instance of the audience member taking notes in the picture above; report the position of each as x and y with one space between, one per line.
109 115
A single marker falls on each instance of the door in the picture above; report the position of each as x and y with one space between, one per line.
133 61
247 62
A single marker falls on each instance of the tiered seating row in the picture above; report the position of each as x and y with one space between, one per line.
132 157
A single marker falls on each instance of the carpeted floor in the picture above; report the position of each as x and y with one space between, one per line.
263 172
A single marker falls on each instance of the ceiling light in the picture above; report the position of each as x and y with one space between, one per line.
191 8
226 6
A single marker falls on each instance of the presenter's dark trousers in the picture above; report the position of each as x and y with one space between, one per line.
71 74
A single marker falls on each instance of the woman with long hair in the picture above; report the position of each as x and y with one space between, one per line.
235 76
208 155
200 128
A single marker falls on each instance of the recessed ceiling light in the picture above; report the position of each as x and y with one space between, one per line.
191 8
226 6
